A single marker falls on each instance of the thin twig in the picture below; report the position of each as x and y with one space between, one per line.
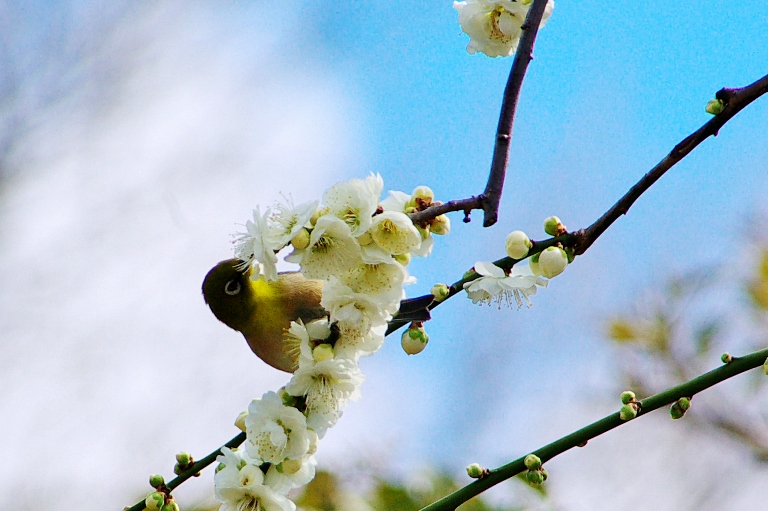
489 200
687 389
734 99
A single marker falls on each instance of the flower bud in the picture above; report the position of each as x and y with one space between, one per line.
441 225
475 471
156 480
240 421
316 215
365 239
440 292
533 262
628 412
411 209
518 244
155 500
184 458
532 462
423 194
171 505
322 352
414 340
715 106
534 477
288 400
177 469
301 240
552 262
553 226
676 411
290 467
627 397
403 259
726 358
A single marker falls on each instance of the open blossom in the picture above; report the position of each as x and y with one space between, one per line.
328 386
495 286
239 486
381 280
494 26
332 250
395 233
355 312
354 201
287 220
275 432
256 245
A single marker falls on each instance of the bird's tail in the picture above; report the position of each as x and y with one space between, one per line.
412 309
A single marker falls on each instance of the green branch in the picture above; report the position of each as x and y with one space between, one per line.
580 437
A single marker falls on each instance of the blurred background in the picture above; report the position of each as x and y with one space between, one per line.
136 137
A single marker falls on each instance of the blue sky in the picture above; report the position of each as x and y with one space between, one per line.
182 118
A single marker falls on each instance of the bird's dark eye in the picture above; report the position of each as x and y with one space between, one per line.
232 287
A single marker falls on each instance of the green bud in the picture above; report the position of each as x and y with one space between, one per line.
675 411
532 462
517 244
534 477
440 292
414 340
627 412
726 358
184 458
715 106
171 505
155 500
177 469
627 397
684 403
403 259
475 471
440 225
553 226
301 240
424 231
156 480
411 209
288 400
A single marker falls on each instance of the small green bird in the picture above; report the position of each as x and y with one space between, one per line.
262 311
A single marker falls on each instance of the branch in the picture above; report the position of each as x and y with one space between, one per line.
734 99
193 470
580 437
489 200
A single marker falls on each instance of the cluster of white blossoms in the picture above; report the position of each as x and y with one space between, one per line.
495 285
359 247
494 27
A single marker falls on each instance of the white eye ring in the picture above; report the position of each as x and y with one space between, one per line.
231 289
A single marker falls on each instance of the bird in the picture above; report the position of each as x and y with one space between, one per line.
262 311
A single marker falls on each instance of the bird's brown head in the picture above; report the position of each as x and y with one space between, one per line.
228 292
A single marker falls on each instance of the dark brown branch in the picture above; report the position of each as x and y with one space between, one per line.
489 200
523 57
734 99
